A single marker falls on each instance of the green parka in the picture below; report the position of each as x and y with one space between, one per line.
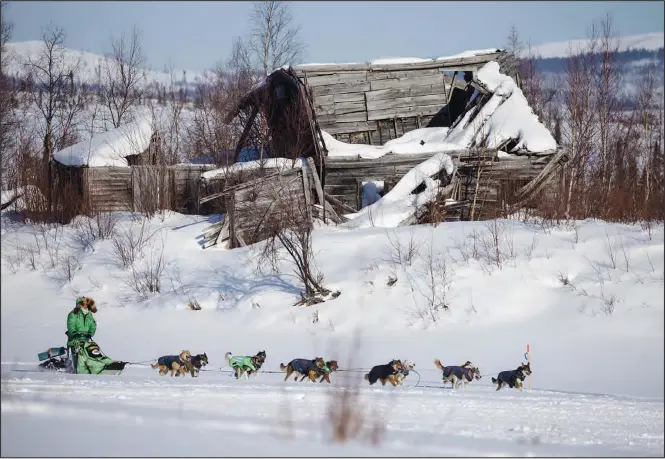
80 327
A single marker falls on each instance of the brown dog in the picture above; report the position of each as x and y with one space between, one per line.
385 373
307 368
173 363
325 376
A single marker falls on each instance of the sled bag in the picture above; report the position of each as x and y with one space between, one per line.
51 352
91 360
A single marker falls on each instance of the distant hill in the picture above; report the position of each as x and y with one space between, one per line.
91 65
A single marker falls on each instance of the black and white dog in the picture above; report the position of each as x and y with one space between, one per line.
513 378
458 374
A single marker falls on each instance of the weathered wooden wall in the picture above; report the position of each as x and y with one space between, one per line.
108 189
344 176
260 206
363 103
495 179
142 188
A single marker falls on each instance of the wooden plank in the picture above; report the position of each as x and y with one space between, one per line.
403 102
340 89
406 92
345 128
306 187
336 78
347 118
473 61
397 83
403 112
384 75
349 107
317 183
312 69
339 203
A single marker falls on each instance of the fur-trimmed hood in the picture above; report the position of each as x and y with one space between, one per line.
87 302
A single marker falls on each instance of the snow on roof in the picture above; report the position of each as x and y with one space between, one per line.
473 53
279 164
109 148
399 60
507 115
399 204
409 60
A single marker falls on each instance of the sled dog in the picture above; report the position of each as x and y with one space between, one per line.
513 378
242 365
195 363
458 374
407 366
303 368
325 376
173 363
384 373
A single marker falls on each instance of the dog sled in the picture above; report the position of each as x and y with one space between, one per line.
91 360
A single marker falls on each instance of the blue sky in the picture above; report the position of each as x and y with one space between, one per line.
195 35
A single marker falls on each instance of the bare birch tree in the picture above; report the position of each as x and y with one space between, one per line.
124 75
49 72
7 94
274 39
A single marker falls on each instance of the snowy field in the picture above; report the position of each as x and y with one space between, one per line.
587 298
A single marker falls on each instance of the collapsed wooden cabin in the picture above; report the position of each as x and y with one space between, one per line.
502 154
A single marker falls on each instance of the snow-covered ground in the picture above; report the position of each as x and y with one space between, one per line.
596 343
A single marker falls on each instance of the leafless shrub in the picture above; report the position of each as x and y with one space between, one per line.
492 243
330 325
315 317
146 277
528 251
435 286
576 231
175 279
611 251
128 243
87 230
609 303
95 283
626 259
51 240
68 266
653 270
402 254
600 271
14 256
563 278
289 230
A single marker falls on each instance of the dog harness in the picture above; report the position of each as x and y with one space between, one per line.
168 360
242 361
459 372
302 366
